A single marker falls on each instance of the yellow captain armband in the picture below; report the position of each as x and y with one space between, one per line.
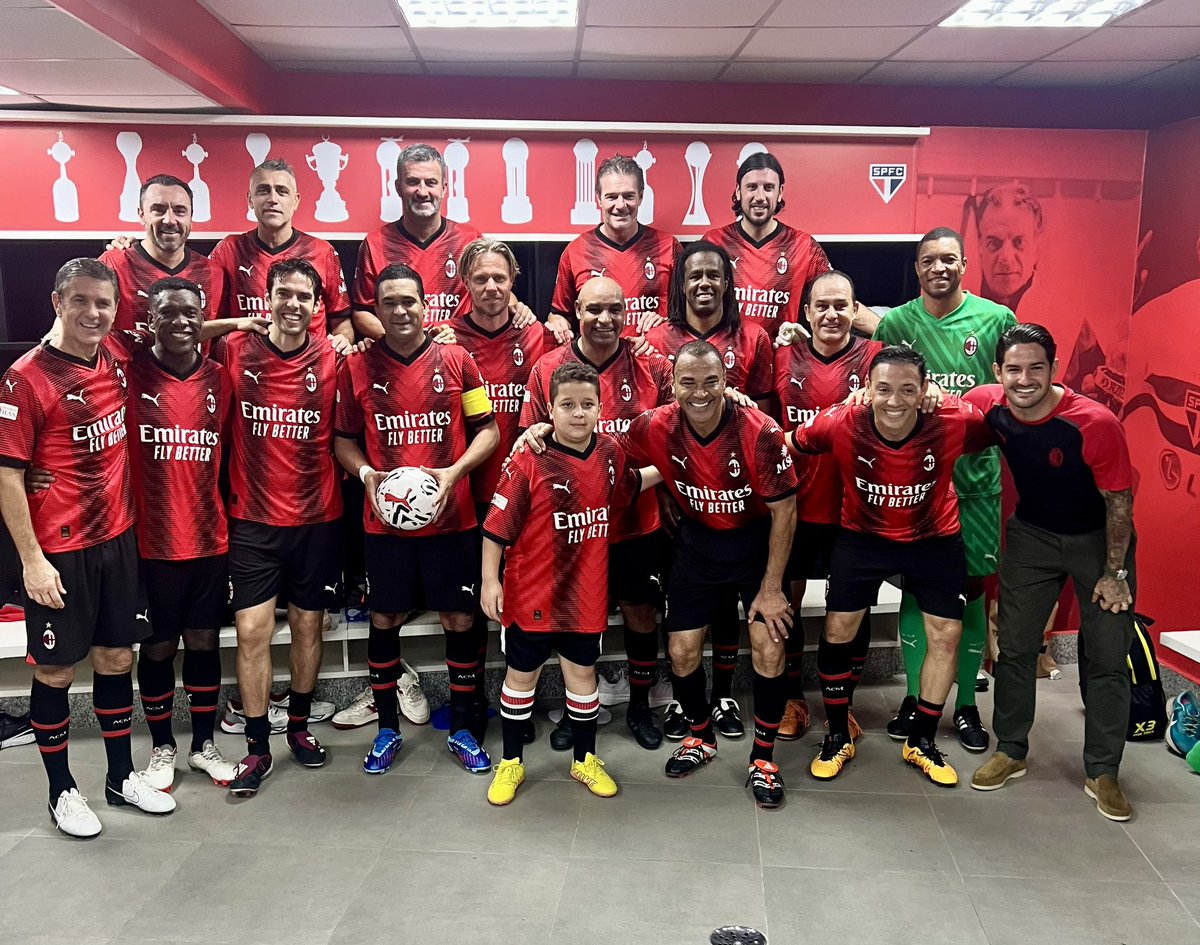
476 403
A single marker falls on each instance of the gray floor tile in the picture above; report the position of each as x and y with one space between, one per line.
243 888
809 907
452 814
1189 895
1005 833
666 822
663 903
515 903
26 793
1080 912
841 830
1175 852
63 887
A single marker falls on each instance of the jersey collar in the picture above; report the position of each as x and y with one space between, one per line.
895 444
275 250
70 358
420 244
190 372
183 263
397 356
287 355
479 329
600 368
836 356
620 247
726 416
759 244
553 444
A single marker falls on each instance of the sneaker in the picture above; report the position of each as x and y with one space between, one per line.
591 774
73 817
928 758
210 760
613 693
675 726
249 775
463 746
137 791
765 784
233 721
563 736
383 751
306 749
662 693
358 713
161 770
727 719
996 772
641 722
15 730
1110 799
510 775
971 733
413 704
795 721
318 712
689 756
1183 725
832 758
898 727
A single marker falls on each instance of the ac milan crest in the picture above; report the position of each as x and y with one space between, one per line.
781 264
730 359
970 346
518 356
310 382
735 468
649 269
437 383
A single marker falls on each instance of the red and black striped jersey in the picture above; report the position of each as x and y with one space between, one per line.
806 383
414 411
245 259
769 277
137 270
901 491
281 468
505 358
552 512
435 260
67 415
723 480
746 352
629 385
642 268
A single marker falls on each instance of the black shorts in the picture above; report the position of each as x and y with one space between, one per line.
812 552
185 595
433 572
934 572
708 565
635 570
104 604
525 651
303 562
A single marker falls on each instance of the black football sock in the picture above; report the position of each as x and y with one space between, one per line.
770 697
641 649
833 670
461 657
516 709
202 683
299 709
258 735
50 716
156 685
112 700
726 633
794 662
383 668
583 711
926 722
479 631
689 693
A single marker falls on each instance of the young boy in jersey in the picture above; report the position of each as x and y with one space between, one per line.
549 520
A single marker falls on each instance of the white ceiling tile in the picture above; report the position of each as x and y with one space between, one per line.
328 43
674 12
16 4
47 77
812 73
50 33
937 73
1079 73
1163 13
6 101
861 12
491 44
826 43
664 69
1006 44
162 103
292 13
503 67
684 42
1183 75
1147 42
375 67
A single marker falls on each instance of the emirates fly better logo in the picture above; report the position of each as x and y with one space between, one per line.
887 179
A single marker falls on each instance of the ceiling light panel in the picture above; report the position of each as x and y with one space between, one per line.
1076 13
467 14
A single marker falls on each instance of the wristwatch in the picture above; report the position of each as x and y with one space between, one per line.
1120 574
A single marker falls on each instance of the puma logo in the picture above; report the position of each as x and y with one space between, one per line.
77 397
565 486
682 462
734 261
798 381
383 387
469 590
331 589
142 294
599 272
144 615
870 462
153 398
254 377
246 269
8 382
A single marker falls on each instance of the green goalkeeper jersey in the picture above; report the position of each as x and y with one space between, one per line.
959 349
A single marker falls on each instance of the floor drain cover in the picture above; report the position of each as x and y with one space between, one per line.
737 935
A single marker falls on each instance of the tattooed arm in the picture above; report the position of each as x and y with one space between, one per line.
1112 592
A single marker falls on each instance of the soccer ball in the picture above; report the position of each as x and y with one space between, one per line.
405 497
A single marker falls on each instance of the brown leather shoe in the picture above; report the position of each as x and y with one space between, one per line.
795 720
996 772
1110 799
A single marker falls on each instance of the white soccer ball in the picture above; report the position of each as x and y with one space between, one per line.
405 497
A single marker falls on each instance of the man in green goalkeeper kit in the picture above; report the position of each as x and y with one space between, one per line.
957 333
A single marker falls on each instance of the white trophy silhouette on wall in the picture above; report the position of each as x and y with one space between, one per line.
585 212
258 146
516 206
201 200
386 155
328 161
456 158
129 143
66 197
751 147
645 160
697 156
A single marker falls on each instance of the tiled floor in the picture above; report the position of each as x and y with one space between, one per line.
879 856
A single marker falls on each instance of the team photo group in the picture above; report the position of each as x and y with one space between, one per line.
688 436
